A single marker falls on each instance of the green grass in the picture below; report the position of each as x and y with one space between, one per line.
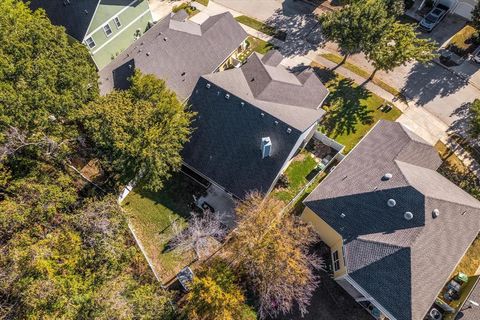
262 27
261 46
204 2
257 45
471 260
151 215
462 42
363 73
187 6
298 173
351 109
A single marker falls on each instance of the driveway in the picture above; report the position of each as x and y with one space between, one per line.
450 25
264 9
296 18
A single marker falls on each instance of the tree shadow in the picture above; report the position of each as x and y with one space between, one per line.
302 29
425 82
346 109
460 125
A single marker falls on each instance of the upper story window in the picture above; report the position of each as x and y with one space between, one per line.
336 261
117 22
90 43
107 30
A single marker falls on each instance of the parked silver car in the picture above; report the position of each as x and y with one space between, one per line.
433 18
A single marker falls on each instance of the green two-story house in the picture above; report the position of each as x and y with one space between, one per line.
106 27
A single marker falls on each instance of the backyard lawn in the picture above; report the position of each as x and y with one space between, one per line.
151 215
351 109
299 172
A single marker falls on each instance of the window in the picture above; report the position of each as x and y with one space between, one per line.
117 22
336 261
90 43
107 29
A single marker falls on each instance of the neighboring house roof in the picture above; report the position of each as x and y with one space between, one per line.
226 143
74 15
403 264
177 50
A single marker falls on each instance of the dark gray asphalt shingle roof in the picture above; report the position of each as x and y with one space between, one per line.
275 90
225 145
177 51
402 263
75 16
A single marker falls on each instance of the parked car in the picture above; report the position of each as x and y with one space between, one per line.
433 18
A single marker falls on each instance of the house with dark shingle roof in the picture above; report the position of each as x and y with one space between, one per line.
251 121
178 51
106 27
395 226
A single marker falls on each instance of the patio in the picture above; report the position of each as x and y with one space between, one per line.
222 204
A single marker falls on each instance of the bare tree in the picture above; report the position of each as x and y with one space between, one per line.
199 235
16 139
272 252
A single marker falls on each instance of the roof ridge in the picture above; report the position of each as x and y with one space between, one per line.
410 132
436 197
381 242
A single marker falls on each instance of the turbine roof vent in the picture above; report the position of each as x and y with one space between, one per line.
435 213
408 215
391 203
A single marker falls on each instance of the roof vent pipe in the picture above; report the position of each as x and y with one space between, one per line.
435 213
387 176
408 215
391 203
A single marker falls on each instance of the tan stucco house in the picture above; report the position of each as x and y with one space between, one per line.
395 226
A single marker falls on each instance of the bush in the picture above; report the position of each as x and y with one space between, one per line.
283 181
187 6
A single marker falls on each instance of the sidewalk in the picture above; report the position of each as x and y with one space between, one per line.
418 120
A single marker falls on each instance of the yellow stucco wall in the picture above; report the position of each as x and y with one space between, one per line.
328 235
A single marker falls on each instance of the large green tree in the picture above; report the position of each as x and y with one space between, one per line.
399 45
65 251
44 77
215 294
140 131
474 119
395 7
357 27
476 16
